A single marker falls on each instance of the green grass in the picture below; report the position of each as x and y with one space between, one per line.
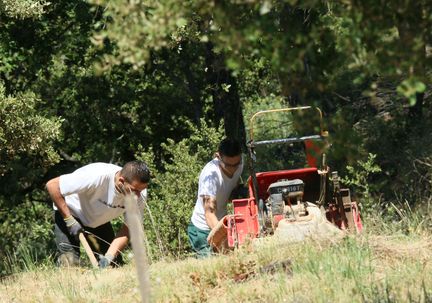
381 265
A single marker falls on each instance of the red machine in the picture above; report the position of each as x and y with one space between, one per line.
285 197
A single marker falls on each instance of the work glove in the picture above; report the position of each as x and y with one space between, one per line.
105 261
74 227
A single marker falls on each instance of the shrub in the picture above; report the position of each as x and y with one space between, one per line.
25 236
359 178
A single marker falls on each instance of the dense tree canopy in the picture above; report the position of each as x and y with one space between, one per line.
85 81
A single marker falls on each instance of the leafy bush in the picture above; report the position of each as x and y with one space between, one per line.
25 132
359 178
25 236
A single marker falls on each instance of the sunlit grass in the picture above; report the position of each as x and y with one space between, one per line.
377 266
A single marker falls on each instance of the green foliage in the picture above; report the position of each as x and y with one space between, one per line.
173 189
359 177
346 142
24 8
309 45
24 131
409 88
26 147
390 42
151 26
26 235
401 142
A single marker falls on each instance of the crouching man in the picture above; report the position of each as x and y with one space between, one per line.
86 200
217 180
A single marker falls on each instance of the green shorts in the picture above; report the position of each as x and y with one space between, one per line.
198 241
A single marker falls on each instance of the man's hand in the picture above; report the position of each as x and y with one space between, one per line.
124 189
105 261
74 227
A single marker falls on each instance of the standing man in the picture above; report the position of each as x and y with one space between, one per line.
86 200
216 182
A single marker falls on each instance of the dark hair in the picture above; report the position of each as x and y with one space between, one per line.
229 147
136 170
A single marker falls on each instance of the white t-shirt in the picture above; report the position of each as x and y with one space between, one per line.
91 196
214 183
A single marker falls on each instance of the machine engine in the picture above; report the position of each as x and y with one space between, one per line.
284 202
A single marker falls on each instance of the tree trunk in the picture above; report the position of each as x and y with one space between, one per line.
226 100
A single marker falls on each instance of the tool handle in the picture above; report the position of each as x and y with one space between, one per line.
88 250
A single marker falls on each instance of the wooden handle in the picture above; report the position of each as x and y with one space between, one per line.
88 250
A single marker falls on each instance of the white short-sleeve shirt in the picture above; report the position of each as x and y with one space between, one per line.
213 182
91 196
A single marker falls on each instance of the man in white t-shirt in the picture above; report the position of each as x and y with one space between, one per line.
216 182
86 200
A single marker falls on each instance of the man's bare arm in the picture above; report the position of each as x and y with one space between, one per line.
120 241
53 188
210 211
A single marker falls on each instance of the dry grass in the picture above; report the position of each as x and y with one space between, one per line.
365 268
392 247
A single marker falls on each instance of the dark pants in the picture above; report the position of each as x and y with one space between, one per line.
68 248
198 241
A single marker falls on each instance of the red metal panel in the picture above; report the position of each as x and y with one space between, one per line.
332 215
244 223
357 220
